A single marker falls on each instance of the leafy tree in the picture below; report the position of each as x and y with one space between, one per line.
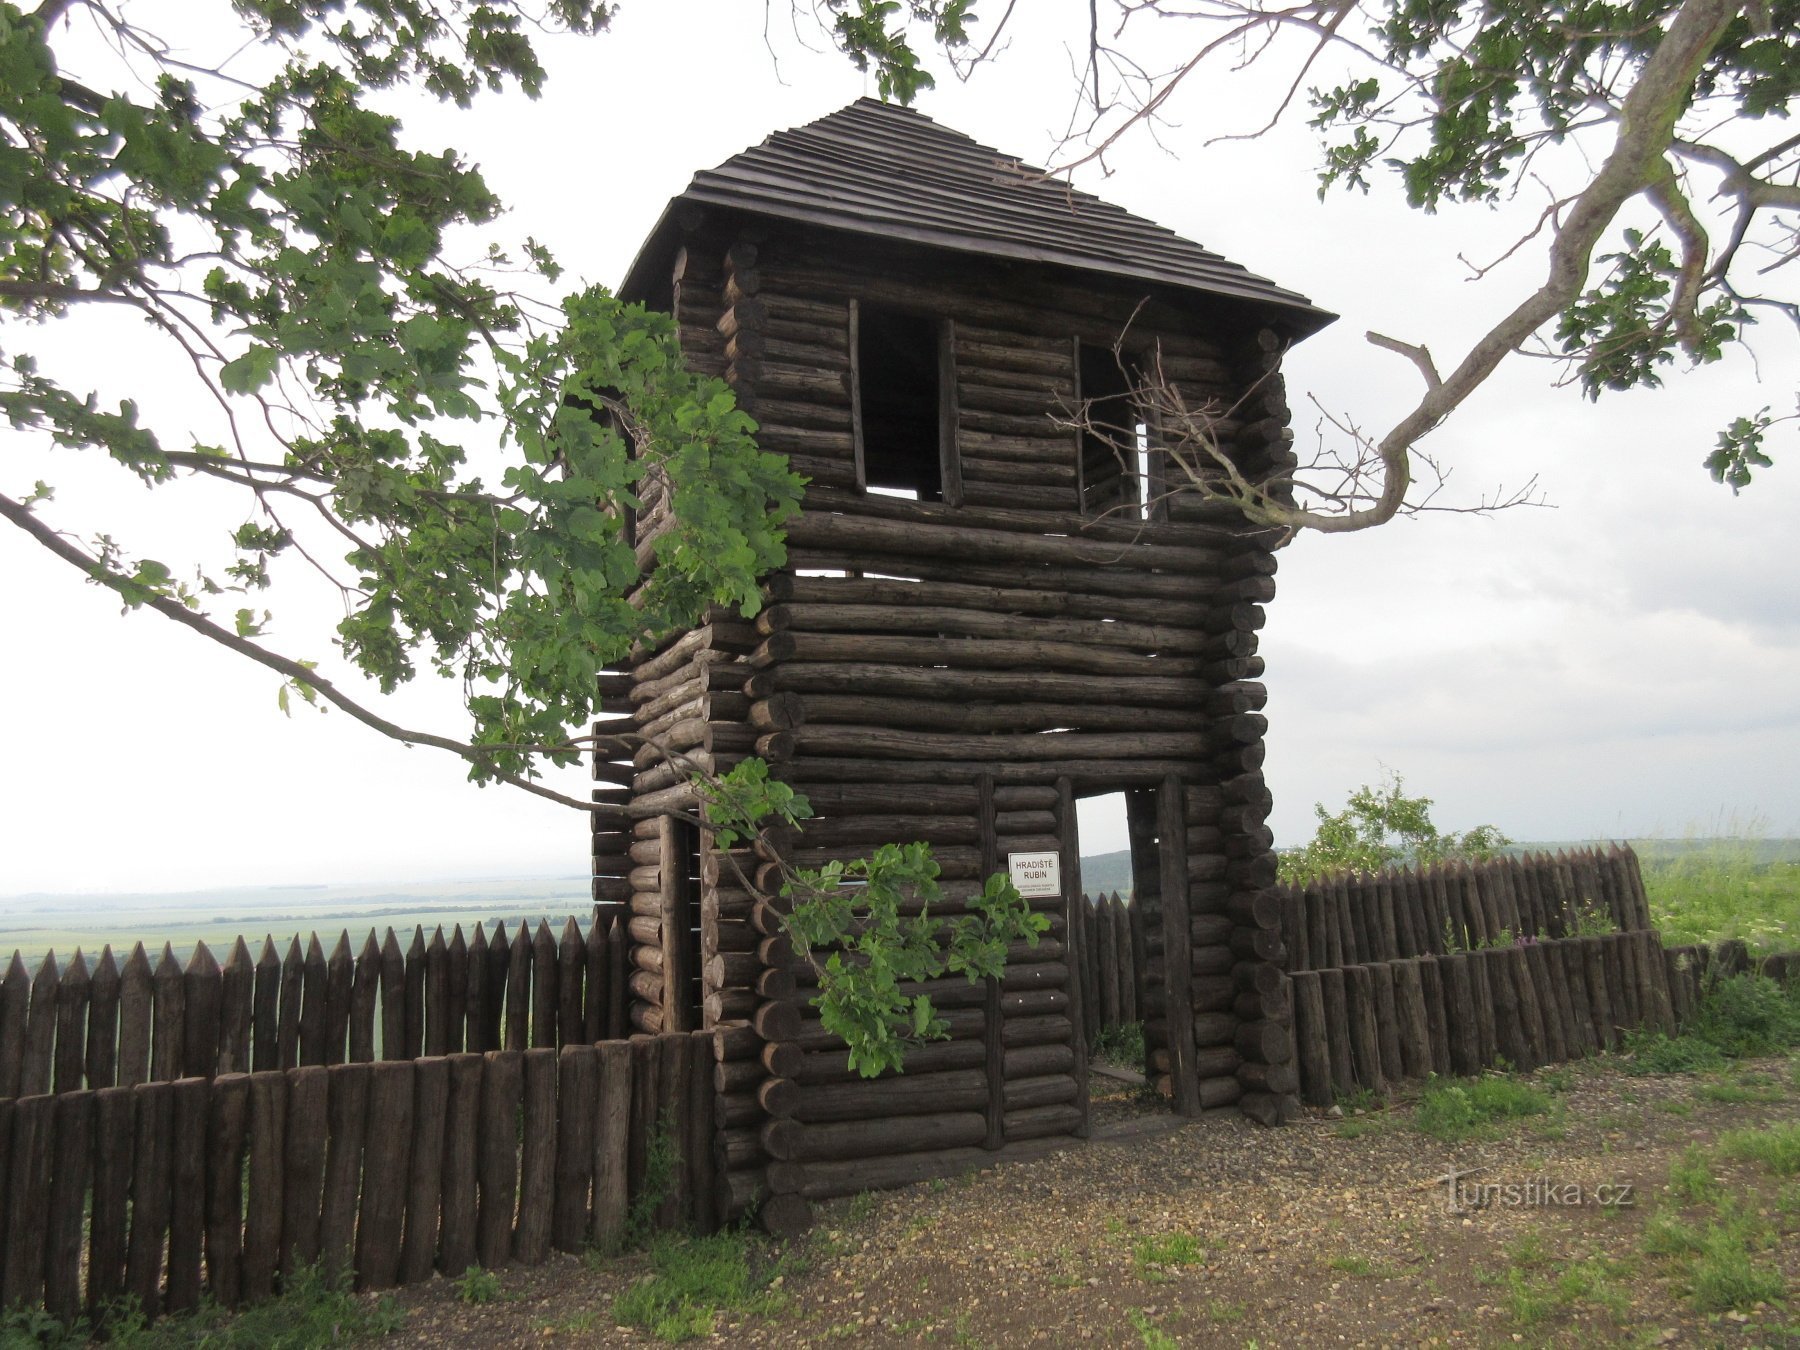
367 359
1658 128
366 356
1382 827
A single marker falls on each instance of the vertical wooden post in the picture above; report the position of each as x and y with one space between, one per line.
1172 848
673 892
949 460
1068 839
993 1026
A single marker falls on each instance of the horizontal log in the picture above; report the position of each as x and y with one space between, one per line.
884 742
941 715
971 653
922 531
858 679
943 620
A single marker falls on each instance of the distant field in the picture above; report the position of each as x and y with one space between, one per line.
34 924
1700 891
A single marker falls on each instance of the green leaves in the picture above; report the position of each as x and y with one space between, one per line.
1382 827
1740 451
868 924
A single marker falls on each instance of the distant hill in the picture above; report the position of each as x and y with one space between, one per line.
1107 872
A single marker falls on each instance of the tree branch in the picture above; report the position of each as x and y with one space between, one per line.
296 672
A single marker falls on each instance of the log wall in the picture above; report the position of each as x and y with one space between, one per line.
958 671
168 1192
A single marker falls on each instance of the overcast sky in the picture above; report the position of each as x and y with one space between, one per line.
1622 664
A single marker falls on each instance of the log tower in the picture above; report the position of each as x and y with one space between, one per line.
988 612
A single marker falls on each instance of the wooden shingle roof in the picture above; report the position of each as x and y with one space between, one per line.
877 169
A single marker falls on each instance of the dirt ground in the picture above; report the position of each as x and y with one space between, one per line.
1337 1232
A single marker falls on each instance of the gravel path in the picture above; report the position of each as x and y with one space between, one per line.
1218 1232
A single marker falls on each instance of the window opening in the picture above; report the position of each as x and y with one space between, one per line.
899 404
1115 440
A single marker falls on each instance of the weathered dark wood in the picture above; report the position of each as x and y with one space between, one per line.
616 990
1177 964
594 993
1312 1039
459 1215
698 1113
425 1168
24 1213
393 998
570 963
537 1168
136 1017
1413 1024
340 969
387 1171
518 989
166 1059
456 992
1387 1020
315 1025
36 1074
115 1124
73 991
237 989
15 1011
478 1014
1365 1034
228 1118
264 1185
287 1027
347 1122
612 1140
545 1001
200 1018
265 1013
577 1096
365 1000
71 1162
187 1208
308 1131
151 1193
502 1086
439 1012
414 1029
102 1023
675 1065
646 1079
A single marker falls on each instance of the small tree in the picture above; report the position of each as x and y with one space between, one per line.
1383 827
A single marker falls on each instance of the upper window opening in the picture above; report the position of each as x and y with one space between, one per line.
899 398
1115 442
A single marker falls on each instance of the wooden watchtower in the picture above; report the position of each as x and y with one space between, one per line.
987 614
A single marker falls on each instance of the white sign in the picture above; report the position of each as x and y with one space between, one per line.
1036 874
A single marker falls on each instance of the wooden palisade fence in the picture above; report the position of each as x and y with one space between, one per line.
74 1026
142 1162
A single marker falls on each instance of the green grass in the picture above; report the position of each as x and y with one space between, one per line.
1363 1268
1473 1108
1122 1045
1150 1256
1150 1335
1691 1177
315 1311
694 1280
1566 1287
1745 1016
1724 888
1776 1148
478 1286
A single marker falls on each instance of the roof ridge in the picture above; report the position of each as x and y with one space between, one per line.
882 170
